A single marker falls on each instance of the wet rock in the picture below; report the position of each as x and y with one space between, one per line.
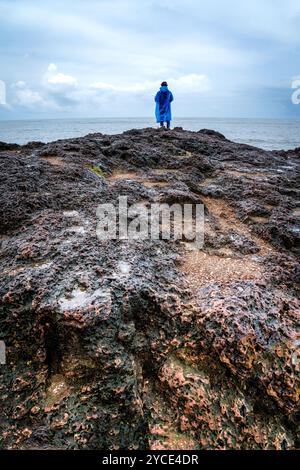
212 133
7 146
149 343
33 145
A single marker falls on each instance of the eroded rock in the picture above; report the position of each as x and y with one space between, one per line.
149 344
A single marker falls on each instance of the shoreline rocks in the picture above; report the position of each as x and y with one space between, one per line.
149 344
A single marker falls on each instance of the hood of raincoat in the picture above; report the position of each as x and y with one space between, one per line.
164 88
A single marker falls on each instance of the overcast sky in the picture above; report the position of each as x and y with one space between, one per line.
107 58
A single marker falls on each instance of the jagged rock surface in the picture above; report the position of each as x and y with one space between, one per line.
149 344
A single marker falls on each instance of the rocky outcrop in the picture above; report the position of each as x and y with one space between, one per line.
149 344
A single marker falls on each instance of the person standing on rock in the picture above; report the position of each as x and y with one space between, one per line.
163 100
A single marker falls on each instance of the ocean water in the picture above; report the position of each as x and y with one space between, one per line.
269 134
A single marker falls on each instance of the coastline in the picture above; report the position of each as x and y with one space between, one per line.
269 134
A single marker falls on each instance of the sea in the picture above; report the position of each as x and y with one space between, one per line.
269 134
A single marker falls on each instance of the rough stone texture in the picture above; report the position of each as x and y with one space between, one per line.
149 344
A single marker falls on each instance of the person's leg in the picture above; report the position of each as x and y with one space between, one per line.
168 124
161 123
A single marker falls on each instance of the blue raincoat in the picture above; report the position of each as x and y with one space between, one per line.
163 100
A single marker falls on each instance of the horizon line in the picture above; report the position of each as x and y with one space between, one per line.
150 118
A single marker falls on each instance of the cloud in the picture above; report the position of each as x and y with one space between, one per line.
62 92
58 80
52 68
19 84
135 88
54 91
24 96
191 83
62 79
